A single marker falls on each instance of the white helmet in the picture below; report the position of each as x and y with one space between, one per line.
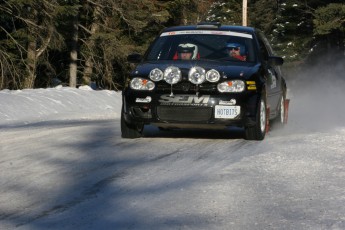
188 48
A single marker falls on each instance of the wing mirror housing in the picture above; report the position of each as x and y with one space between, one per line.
134 58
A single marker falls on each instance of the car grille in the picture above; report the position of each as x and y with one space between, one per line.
186 86
184 114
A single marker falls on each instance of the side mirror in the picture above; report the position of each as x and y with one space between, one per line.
273 60
134 58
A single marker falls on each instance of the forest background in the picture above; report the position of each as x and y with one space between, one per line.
75 42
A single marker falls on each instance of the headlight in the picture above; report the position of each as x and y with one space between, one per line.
212 75
172 75
234 86
196 75
156 74
141 84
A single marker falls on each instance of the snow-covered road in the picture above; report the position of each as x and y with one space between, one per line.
63 165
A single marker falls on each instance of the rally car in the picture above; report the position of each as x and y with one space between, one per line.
205 76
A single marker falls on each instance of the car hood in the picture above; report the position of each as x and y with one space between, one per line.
227 69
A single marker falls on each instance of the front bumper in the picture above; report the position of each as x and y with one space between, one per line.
187 110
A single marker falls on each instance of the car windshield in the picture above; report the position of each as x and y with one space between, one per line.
201 45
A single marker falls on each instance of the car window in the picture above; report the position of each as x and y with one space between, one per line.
210 45
263 50
265 47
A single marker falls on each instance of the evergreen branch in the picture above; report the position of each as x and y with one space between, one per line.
122 16
6 63
84 28
49 3
95 3
6 9
46 42
12 38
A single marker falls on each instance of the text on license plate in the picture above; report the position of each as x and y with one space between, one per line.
222 111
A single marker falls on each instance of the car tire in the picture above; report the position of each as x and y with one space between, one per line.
280 119
130 130
258 131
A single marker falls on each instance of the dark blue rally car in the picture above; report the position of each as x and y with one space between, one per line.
205 76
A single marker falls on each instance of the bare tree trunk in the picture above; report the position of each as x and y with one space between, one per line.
33 53
108 75
74 55
73 69
88 70
89 64
31 63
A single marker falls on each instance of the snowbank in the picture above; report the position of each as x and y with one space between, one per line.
36 105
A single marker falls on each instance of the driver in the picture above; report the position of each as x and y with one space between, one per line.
187 51
235 50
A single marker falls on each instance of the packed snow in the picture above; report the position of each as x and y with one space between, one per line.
35 105
64 165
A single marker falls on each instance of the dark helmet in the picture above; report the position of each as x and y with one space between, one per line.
234 45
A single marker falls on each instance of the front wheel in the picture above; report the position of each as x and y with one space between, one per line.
130 130
258 131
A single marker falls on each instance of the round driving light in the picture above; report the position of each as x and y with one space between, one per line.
196 75
172 75
156 74
212 75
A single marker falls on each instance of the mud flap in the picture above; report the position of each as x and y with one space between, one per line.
286 108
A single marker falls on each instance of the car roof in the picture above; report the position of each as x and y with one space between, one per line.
212 26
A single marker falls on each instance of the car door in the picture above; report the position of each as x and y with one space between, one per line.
272 75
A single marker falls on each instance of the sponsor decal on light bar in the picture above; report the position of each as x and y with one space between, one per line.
148 99
231 102
207 32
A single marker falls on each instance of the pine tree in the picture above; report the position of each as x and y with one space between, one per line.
263 15
36 36
292 33
31 34
109 31
329 19
227 12
329 31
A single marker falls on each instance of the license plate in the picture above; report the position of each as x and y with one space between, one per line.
222 111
